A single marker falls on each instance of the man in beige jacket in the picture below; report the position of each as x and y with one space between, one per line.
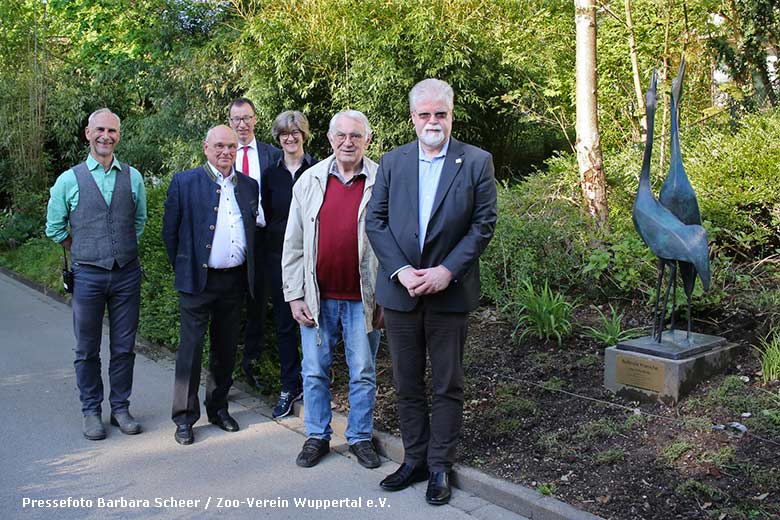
329 272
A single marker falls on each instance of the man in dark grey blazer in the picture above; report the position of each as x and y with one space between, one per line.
209 231
432 213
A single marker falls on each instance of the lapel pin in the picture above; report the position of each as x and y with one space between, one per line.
458 160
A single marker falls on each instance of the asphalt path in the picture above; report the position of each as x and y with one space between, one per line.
49 470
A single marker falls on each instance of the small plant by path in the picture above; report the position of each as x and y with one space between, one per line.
542 313
610 331
769 352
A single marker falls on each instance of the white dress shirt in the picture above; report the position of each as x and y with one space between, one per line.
254 172
228 249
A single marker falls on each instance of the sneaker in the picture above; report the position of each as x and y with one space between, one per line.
311 453
285 403
366 454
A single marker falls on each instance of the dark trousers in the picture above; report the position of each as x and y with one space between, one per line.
286 328
219 308
256 307
95 289
412 336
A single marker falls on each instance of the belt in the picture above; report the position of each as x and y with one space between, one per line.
228 269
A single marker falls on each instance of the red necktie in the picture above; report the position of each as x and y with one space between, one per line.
245 162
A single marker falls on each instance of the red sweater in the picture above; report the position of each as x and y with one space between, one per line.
338 265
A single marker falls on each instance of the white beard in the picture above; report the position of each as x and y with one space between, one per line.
432 139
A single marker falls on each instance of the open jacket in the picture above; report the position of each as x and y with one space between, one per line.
462 223
299 254
189 222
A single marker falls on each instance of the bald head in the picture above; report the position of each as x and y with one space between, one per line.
220 147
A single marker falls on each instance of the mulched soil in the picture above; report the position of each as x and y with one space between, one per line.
523 423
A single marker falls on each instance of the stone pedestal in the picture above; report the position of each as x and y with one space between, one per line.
644 370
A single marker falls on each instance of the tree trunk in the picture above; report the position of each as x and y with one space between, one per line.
640 98
588 145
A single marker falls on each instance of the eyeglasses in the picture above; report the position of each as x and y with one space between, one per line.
340 137
295 134
220 147
238 120
425 116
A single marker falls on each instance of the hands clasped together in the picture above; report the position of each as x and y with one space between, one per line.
420 282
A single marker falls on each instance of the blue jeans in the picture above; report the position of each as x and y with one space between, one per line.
360 349
120 290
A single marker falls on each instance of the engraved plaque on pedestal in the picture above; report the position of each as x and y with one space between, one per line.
641 373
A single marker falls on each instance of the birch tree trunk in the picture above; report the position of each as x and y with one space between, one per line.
588 144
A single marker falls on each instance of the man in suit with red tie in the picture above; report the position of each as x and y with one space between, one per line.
253 158
432 213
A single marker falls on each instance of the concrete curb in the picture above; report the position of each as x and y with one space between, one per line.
512 497
518 499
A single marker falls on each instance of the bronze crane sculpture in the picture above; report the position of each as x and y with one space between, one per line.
670 239
677 196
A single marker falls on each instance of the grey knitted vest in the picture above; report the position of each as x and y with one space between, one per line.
103 234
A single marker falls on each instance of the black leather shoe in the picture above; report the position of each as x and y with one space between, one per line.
438 492
223 419
184 434
366 454
404 476
313 450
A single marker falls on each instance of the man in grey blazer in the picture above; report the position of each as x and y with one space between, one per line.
432 213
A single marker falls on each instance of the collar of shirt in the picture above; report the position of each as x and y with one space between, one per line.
92 164
421 153
251 144
333 169
217 176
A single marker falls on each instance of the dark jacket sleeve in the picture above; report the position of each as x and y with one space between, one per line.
171 220
390 255
483 223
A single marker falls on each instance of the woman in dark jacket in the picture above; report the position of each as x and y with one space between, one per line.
290 129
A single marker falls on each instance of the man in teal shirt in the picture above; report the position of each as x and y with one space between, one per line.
97 211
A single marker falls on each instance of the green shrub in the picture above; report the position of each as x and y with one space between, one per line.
541 234
622 264
17 227
39 259
159 301
611 330
769 352
542 313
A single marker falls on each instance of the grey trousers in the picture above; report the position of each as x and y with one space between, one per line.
428 436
